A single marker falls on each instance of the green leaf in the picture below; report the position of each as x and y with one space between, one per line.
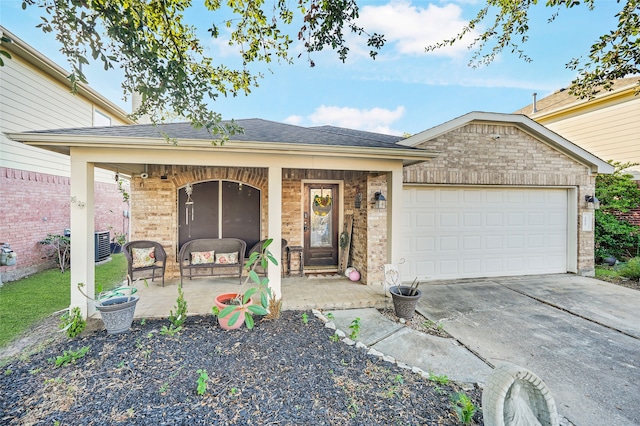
234 318
227 310
257 309
248 320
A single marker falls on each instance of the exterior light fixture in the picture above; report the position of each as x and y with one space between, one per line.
380 201
592 202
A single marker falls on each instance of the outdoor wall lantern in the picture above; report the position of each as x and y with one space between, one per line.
358 199
379 201
592 202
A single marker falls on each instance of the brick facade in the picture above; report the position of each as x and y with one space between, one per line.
36 204
155 214
471 156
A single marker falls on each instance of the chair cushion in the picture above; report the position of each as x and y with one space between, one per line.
143 257
227 257
201 257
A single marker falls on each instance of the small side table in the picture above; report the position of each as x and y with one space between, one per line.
292 250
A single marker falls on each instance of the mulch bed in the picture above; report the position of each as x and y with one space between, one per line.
283 372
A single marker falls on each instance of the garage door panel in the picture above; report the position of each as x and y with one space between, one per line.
470 220
448 219
535 241
535 219
424 196
494 219
461 232
448 243
425 220
471 242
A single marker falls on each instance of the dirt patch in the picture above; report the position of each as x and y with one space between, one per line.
282 372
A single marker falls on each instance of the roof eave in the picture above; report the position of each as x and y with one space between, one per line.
63 143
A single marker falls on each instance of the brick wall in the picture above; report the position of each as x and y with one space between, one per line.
154 215
469 155
36 204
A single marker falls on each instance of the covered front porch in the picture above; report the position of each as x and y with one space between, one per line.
298 293
258 185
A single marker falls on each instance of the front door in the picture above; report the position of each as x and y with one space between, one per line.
321 224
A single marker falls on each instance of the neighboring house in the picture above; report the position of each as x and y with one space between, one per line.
608 126
34 182
482 195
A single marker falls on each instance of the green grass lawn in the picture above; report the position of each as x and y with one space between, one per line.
31 299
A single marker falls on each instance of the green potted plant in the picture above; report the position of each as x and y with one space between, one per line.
234 309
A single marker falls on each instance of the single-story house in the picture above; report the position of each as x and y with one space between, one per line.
482 195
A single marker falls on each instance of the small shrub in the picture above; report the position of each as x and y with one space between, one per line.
631 269
464 407
203 378
180 316
58 247
355 329
70 357
72 322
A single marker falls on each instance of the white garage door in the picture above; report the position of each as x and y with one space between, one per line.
453 232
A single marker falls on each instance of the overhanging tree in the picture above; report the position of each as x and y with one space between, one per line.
614 55
164 60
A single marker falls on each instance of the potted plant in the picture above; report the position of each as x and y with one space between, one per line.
116 306
234 309
117 241
405 299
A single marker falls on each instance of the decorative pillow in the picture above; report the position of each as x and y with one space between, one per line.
143 257
227 257
200 257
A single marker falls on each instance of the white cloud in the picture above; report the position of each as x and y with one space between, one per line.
411 28
377 120
293 119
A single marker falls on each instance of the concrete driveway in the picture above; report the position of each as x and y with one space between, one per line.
580 335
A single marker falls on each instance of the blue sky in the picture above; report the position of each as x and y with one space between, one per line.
404 90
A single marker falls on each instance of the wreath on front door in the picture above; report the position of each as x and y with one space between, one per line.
321 205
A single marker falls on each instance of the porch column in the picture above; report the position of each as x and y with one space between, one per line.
394 216
82 234
275 229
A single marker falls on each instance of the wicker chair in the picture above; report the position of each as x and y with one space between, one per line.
143 272
258 248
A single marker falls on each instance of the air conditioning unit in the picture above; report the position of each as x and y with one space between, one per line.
103 248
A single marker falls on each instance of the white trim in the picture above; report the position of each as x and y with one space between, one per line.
572 230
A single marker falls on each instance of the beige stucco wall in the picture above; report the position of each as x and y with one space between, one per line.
471 155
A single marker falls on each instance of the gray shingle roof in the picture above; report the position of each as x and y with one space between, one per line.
255 130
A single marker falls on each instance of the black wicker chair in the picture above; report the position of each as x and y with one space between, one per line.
143 272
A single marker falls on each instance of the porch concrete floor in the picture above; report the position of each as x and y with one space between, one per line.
298 293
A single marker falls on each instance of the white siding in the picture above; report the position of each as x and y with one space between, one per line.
611 132
30 100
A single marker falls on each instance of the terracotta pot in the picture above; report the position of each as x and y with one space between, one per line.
222 301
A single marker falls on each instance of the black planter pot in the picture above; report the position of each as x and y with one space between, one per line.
403 304
115 248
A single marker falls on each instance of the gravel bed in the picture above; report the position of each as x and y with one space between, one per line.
283 372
